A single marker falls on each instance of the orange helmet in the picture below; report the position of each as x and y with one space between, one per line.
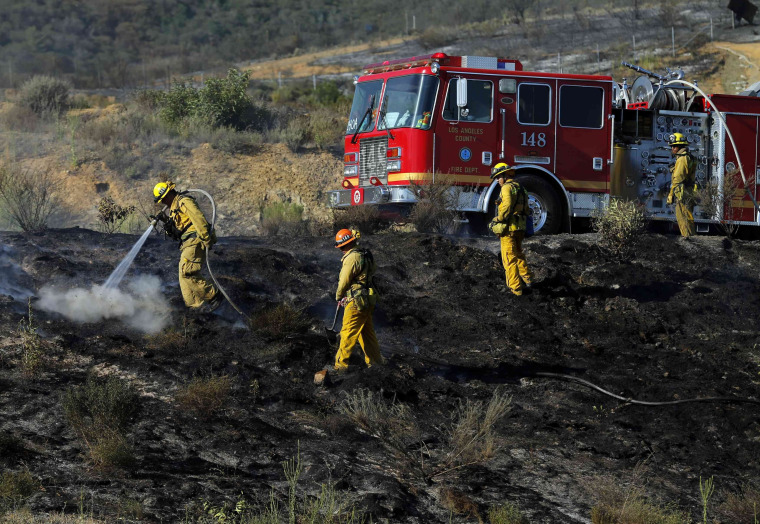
345 237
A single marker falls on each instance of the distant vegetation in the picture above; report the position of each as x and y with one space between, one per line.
124 43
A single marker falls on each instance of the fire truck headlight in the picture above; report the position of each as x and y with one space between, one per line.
350 170
394 165
356 79
434 68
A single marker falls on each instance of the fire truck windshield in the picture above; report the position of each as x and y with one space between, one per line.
367 94
408 102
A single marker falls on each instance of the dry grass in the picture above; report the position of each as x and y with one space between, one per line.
741 508
458 503
280 321
24 516
507 513
627 503
204 396
469 439
110 450
32 355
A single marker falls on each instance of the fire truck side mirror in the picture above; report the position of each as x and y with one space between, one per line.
461 92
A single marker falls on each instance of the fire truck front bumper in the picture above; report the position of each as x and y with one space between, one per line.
374 195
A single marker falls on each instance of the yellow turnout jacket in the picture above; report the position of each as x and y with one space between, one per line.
353 276
683 176
513 206
189 218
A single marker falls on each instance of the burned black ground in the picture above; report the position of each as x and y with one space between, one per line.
676 321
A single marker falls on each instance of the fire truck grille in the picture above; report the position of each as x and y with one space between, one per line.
372 160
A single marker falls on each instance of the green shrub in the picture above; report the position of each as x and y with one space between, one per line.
295 134
15 488
280 321
327 127
178 103
620 226
281 217
45 95
204 396
100 411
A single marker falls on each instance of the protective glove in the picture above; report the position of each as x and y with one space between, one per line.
490 225
670 200
343 301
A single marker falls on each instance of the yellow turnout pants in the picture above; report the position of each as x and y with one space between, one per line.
358 327
195 288
513 258
685 218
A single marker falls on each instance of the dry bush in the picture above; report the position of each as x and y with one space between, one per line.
282 217
435 210
100 411
235 142
111 215
19 118
204 396
15 488
458 503
365 218
720 199
28 196
294 135
620 226
24 516
507 513
280 321
741 508
628 504
172 341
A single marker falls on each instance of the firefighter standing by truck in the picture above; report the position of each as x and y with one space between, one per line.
509 224
357 294
185 222
682 184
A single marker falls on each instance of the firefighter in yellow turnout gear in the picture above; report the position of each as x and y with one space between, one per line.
185 222
509 225
682 185
356 292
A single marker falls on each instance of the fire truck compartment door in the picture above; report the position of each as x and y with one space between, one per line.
529 123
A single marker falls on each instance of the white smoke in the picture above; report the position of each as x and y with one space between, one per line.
141 305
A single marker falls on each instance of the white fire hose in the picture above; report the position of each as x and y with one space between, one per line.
208 264
728 132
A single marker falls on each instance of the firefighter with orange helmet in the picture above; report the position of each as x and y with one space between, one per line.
509 224
683 184
357 294
185 222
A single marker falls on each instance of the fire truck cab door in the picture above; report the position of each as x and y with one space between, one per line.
527 121
467 132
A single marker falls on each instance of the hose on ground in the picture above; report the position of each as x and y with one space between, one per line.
629 400
208 264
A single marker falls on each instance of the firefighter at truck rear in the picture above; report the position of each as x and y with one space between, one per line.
185 222
357 294
683 184
512 214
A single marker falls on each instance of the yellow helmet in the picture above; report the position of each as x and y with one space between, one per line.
502 168
161 189
677 139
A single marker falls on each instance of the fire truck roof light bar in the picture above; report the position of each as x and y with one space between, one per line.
472 62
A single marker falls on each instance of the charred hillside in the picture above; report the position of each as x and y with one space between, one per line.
675 322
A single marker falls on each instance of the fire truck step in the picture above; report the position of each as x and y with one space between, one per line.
702 227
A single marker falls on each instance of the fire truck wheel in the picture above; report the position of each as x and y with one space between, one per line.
544 203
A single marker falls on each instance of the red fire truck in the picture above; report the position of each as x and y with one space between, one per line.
575 140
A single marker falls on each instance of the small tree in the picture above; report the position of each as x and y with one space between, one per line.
29 196
718 200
